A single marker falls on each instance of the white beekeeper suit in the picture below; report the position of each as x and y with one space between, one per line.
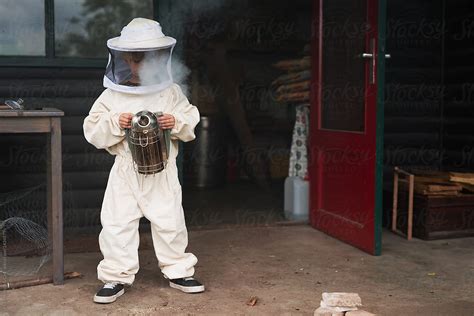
130 195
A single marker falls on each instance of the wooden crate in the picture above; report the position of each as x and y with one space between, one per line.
438 217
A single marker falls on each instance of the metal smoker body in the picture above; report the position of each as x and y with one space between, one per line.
148 143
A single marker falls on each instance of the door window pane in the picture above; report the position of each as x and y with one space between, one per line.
22 31
82 27
343 70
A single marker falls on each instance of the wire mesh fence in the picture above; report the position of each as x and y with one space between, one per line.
26 247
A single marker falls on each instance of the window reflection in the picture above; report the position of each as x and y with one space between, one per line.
22 31
82 27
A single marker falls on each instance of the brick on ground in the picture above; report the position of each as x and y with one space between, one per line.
342 299
338 308
321 311
359 313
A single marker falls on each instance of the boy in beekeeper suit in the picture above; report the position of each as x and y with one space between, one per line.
138 77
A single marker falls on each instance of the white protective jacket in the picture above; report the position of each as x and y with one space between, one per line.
101 127
130 196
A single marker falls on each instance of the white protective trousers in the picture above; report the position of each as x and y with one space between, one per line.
130 196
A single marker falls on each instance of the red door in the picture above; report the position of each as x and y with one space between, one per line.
345 181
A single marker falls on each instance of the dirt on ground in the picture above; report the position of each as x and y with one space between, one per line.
286 268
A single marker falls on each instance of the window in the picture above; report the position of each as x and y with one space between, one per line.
22 31
82 27
64 32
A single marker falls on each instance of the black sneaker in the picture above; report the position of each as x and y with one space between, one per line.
187 285
109 293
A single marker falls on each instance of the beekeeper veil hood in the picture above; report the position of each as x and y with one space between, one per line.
139 59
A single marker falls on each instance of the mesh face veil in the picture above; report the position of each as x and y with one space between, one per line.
139 72
140 59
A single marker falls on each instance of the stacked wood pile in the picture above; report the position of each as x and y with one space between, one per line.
294 85
439 183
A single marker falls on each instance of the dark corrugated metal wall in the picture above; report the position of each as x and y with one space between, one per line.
429 112
429 109
458 118
85 169
414 86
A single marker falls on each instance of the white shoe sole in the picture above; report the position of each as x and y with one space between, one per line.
187 289
108 299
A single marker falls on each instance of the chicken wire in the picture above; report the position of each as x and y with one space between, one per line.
23 233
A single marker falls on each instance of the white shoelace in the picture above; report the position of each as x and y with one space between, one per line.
110 285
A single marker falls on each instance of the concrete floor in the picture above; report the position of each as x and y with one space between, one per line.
286 267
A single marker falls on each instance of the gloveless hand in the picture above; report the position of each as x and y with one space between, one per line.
166 121
125 120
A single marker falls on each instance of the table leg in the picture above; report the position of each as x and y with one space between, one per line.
55 199
411 189
395 201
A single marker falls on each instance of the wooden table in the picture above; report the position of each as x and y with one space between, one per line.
46 120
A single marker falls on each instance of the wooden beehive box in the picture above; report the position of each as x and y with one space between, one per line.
438 216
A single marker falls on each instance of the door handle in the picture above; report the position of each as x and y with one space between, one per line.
369 55
372 61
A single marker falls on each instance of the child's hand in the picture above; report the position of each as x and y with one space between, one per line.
166 121
125 120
